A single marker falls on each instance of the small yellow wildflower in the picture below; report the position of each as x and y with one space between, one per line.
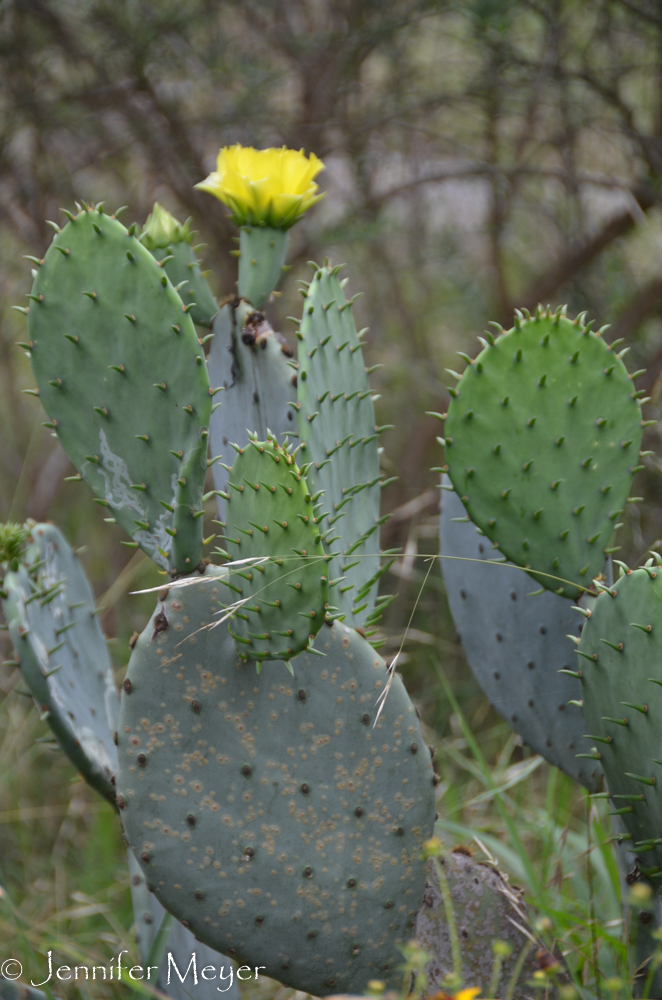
272 187
462 995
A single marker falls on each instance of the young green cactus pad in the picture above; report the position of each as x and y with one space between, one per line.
542 439
282 597
338 436
304 845
12 541
183 268
516 644
485 909
63 655
169 242
251 362
619 658
123 379
262 252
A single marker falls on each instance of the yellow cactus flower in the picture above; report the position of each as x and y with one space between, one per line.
271 187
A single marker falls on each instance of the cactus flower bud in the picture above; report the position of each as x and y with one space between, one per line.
162 229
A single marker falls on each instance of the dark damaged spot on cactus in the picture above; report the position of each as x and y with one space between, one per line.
253 820
115 428
63 654
504 489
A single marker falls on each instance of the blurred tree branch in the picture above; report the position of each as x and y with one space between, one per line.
480 156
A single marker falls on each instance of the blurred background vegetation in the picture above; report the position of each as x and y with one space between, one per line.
480 155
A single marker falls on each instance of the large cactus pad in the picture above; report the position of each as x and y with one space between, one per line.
283 595
542 438
63 655
516 644
268 812
123 379
338 435
621 653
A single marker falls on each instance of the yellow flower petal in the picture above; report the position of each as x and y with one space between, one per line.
273 187
467 994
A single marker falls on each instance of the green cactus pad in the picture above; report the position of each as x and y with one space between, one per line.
262 252
542 438
252 364
485 908
123 379
63 655
620 656
185 267
268 812
338 435
169 242
271 514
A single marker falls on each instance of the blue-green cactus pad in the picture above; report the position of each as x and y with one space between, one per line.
339 437
251 362
123 379
542 437
63 655
267 812
516 644
621 665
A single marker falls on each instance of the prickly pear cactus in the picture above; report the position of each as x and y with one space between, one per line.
252 364
338 436
542 438
619 658
62 654
516 644
485 908
123 379
282 597
267 812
